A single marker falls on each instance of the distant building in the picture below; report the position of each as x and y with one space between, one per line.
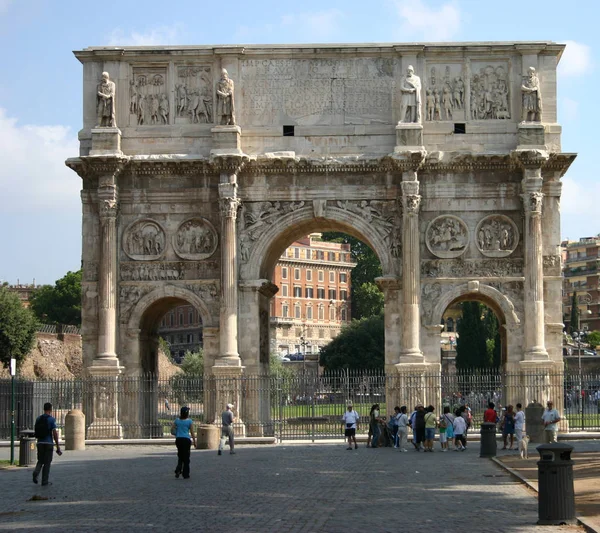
581 275
182 329
313 302
23 291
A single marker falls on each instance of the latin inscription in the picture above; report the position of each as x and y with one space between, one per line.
317 91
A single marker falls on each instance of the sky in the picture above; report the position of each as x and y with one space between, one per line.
41 90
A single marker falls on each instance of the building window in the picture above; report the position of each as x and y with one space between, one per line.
296 273
309 312
343 277
332 294
321 276
181 319
330 256
332 313
190 317
284 310
309 292
343 294
344 314
297 313
297 292
320 293
449 325
309 275
332 277
320 255
172 319
321 313
321 334
284 290
284 273
297 253
190 338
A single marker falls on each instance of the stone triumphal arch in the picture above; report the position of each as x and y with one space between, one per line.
201 164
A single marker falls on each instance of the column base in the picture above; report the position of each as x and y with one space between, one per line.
105 428
228 361
226 140
411 357
409 136
536 354
106 141
532 135
228 389
105 399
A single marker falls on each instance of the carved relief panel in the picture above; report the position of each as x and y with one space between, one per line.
144 240
496 236
445 92
194 95
149 97
196 239
447 236
490 91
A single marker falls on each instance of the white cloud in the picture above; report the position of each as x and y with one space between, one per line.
569 109
419 21
315 25
33 175
161 35
576 59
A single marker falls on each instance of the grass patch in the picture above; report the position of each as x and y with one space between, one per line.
590 421
6 462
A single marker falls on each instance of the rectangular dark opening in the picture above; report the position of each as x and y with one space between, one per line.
288 131
460 127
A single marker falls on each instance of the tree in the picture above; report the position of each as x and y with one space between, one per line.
491 331
369 300
471 345
574 322
594 338
359 346
17 328
368 267
60 304
193 364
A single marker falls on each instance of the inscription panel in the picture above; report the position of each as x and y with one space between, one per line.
317 91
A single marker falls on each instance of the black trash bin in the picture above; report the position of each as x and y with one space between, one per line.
27 448
488 444
556 494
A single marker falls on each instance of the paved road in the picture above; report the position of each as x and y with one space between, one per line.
291 489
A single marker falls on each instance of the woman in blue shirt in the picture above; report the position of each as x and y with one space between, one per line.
184 436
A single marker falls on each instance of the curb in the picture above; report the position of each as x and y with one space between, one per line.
582 521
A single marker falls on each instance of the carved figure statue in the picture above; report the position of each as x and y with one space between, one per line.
532 97
133 98
459 93
410 87
437 107
429 104
105 103
447 101
163 108
142 110
225 103
154 109
181 92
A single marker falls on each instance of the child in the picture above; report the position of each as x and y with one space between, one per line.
449 420
460 428
443 427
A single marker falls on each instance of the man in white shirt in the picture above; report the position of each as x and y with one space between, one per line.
551 419
350 419
519 423
402 420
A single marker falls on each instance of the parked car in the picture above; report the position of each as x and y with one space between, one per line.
296 356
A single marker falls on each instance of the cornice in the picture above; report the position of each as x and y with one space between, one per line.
449 161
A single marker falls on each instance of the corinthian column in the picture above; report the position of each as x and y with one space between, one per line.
228 203
410 350
107 319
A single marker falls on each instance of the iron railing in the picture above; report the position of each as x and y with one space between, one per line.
301 406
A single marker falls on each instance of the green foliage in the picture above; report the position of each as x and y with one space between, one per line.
594 338
369 300
60 304
278 368
574 322
368 267
359 346
471 345
164 347
17 328
193 364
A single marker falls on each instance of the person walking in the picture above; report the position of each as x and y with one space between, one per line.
508 427
394 425
227 419
460 429
184 437
374 426
551 418
402 419
519 423
419 428
430 425
350 419
45 433
443 425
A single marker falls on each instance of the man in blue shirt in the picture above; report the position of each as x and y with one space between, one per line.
45 447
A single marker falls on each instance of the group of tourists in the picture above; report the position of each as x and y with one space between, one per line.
453 427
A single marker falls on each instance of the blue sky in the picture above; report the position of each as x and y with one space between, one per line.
40 94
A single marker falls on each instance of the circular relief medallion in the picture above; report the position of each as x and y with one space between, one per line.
447 236
195 239
497 236
144 240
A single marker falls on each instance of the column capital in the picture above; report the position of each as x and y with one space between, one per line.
229 207
262 286
530 159
389 283
532 202
411 203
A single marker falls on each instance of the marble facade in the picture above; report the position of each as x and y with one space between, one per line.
217 157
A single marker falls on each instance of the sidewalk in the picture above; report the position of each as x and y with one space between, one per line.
292 489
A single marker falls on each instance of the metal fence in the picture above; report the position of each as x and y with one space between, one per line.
58 329
304 406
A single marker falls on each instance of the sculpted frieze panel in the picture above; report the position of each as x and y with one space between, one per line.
148 97
317 91
514 291
196 239
479 268
490 91
144 240
445 92
156 271
497 236
129 295
447 236
194 95
552 265
430 295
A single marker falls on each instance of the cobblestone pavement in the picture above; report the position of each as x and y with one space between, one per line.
285 488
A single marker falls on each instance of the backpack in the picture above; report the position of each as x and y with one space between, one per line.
41 429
